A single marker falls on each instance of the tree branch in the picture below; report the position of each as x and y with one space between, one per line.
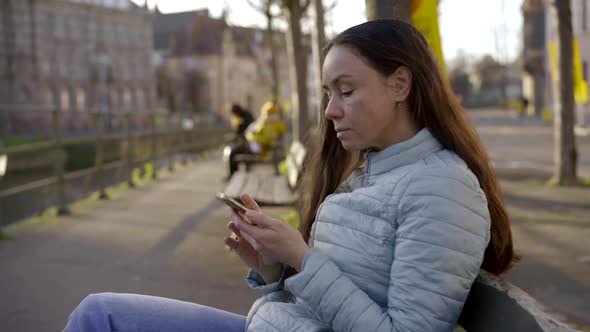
258 8
305 5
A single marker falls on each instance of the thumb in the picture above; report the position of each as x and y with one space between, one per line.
249 202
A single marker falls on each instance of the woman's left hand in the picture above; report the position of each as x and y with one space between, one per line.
274 238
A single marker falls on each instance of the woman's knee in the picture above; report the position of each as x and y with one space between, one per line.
92 314
95 302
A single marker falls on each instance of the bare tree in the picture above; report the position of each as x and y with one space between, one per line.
534 53
293 11
565 154
399 9
265 7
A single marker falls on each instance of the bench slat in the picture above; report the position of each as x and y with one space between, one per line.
265 186
236 184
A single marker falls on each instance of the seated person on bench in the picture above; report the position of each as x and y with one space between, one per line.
260 135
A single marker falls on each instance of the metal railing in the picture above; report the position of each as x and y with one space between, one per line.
158 138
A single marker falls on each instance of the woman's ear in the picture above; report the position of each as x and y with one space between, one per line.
401 83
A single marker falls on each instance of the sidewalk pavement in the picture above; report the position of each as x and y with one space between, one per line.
551 228
165 239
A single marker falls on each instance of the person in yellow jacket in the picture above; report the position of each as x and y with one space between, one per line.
260 135
266 130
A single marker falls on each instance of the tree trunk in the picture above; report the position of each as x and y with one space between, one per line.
274 67
565 155
265 8
297 68
270 35
398 9
319 39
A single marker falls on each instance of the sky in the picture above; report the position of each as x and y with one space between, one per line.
471 27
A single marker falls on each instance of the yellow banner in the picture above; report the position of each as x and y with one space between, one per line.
580 85
425 19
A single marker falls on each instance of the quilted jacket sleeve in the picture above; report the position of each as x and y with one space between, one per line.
442 233
257 283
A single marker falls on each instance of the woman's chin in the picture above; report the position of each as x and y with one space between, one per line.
350 146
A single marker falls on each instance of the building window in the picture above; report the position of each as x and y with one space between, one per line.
80 99
47 97
140 99
127 99
64 99
45 68
114 104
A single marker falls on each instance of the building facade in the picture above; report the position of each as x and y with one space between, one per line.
205 64
76 54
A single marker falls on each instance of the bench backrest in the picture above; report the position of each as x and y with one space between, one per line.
295 160
494 304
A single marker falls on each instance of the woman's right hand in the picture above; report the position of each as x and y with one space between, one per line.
267 267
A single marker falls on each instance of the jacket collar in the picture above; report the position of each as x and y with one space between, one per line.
403 153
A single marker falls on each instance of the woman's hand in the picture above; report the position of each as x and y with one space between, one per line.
273 238
240 243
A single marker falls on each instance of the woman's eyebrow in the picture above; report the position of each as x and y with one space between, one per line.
336 80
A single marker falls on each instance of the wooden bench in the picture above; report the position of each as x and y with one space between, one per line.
274 157
265 185
496 305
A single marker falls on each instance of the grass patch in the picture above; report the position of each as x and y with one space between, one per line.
141 175
51 214
585 182
3 236
18 140
283 167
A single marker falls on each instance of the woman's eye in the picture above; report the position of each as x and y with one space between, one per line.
346 93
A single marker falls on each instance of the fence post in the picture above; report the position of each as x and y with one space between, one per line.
99 162
1 214
171 151
129 138
62 207
154 147
184 125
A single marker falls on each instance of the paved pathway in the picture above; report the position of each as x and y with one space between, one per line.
164 239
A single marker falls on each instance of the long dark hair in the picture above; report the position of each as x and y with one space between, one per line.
385 45
240 112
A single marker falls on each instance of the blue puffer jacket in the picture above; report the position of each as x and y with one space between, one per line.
395 248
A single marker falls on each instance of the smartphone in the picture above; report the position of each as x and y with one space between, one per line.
231 202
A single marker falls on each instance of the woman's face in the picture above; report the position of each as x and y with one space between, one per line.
362 102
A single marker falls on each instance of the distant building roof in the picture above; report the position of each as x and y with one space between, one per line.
246 40
188 33
197 33
113 4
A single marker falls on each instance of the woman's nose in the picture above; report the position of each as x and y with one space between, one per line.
333 110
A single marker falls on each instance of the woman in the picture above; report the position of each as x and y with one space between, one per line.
240 119
401 207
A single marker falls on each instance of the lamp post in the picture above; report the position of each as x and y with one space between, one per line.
102 62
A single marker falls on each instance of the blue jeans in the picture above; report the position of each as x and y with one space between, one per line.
130 312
